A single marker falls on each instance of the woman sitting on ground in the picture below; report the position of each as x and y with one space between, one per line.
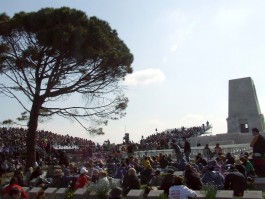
250 171
192 178
156 180
130 181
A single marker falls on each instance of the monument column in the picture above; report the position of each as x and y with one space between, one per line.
243 107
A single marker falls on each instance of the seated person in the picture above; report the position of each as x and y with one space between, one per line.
214 177
14 185
235 181
181 165
179 190
200 161
95 176
240 167
229 159
14 193
163 162
167 181
146 174
83 180
156 180
103 179
192 178
36 173
130 181
115 193
250 171
57 178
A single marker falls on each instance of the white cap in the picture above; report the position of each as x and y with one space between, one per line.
83 170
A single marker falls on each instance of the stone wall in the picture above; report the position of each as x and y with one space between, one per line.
237 138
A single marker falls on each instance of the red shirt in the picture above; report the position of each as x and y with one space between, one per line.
81 181
11 186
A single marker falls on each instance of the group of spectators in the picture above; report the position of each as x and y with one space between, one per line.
223 171
13 147
157 172
161 140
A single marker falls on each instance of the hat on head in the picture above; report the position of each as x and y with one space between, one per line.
83 170
238 162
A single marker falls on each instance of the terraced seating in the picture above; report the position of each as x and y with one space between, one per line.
54 193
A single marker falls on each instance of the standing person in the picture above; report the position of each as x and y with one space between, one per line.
177 150
217 149
207 152
187 150
258 144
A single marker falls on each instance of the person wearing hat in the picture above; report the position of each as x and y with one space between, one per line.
179 190
236 181
240 167
115 193
82 180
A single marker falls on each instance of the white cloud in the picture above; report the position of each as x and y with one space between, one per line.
145 77
181 33
230 20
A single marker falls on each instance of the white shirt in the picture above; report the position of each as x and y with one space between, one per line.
181 192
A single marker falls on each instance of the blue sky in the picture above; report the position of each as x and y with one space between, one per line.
185 52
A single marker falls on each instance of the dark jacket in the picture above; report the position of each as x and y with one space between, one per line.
131 182
187 148
235 181
193 180
259 146
167 182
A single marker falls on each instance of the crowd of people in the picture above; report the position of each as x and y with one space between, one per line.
223 171
160 140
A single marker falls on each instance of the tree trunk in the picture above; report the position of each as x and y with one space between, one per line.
32 133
